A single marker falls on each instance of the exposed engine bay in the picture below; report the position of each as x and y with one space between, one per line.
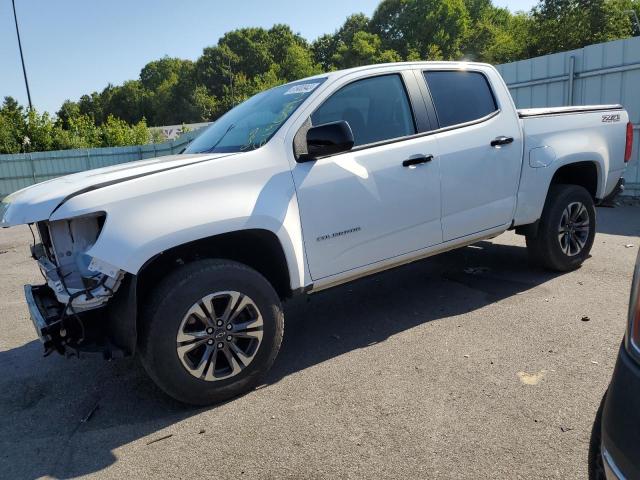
79 282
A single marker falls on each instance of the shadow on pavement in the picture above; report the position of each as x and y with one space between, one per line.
43 402
622 220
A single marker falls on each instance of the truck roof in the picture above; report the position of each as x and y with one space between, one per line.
394 65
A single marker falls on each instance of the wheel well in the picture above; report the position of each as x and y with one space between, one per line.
258 249
584 174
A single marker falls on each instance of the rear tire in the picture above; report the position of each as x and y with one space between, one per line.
211 330
566 229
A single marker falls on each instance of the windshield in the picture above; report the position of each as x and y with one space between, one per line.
252 123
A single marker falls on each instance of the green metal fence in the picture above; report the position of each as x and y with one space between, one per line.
602 73
23 169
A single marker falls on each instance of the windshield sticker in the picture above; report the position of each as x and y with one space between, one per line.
302 88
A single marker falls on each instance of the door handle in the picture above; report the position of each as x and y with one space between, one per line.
502 140
418 159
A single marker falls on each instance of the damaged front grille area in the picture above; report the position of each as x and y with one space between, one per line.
45 238
76 278
68 308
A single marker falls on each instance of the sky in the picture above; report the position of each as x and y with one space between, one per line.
73 47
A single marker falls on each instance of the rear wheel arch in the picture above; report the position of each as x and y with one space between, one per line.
583 173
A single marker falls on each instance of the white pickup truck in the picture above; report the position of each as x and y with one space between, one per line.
185 259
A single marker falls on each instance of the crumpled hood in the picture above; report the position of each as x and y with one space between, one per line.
38 202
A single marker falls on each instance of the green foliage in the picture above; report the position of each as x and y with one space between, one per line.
363 49
116 132
13 124
496 35
172 91
80 132
428 28
28 131
568 24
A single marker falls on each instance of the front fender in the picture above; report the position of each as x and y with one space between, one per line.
152 214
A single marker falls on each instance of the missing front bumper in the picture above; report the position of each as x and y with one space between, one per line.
45 313
71 334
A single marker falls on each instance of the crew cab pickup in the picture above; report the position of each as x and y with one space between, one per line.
186 259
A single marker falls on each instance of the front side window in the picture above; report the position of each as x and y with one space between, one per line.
252 123
376 109
460 96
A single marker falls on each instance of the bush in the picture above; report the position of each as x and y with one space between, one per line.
28 131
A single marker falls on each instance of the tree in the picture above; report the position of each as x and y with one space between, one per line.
39 132
329 50
96 104
560 25
297 63
323 50
81 132
30 131
422 28
364 49
128 101
509 42
167 70
12 126
248 60
204 107
496 35
354 24
68 111
116 132
251 48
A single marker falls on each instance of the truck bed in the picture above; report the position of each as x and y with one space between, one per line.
553 137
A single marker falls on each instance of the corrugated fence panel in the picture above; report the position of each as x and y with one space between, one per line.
23 169
603 73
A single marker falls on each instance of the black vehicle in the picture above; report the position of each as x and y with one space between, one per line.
614 450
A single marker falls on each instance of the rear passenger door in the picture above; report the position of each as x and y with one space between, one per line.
480 152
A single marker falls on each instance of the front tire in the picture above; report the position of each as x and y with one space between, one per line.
212 329
566 230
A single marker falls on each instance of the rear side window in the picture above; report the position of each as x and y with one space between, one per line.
376 109
460 97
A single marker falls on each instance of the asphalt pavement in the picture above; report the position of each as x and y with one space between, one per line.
471 364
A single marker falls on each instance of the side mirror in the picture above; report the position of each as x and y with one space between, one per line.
328 139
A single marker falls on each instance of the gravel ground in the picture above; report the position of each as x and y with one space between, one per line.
472 364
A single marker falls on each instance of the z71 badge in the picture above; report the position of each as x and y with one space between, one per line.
611 118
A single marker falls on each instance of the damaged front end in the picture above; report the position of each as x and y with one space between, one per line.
69 310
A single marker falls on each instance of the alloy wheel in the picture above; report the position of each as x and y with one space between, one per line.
219 336
573 231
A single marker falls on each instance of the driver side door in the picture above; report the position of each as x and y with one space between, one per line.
369 204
